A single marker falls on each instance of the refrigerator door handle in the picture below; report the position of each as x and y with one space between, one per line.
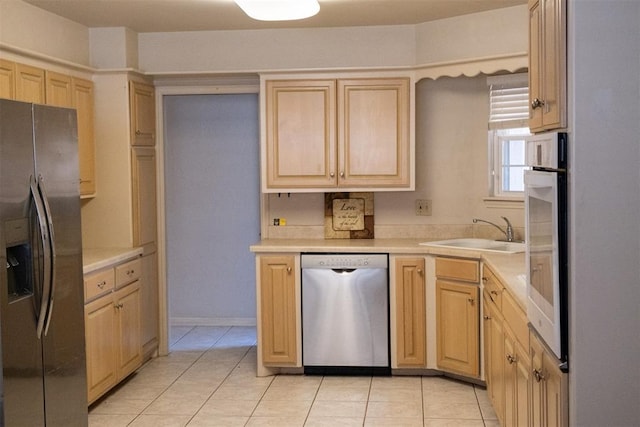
46 248
52 254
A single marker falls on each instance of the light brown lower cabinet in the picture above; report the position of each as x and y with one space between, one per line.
278 330
112 327
549 387
410 316
457 316
524 383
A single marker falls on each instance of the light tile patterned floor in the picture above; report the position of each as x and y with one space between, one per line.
209 379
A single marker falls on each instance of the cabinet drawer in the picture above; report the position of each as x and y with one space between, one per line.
516 318
97 284
128 272
466 270
492 287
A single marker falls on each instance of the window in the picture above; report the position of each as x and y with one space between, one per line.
508 129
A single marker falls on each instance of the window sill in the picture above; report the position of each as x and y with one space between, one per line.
504 202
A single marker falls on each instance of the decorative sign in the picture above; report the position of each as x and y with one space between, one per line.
348 214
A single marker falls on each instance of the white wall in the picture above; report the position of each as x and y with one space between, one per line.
496 32
469 36
604 55
32 29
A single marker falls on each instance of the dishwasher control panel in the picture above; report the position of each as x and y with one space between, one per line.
344 261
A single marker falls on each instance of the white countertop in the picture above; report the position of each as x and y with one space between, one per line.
508 267
96 258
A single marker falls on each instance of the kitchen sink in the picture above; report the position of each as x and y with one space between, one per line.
479 245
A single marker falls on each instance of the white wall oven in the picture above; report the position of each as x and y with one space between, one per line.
546 240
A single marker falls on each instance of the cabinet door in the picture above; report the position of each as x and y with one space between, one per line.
143 114
457 311
278 310
30 84
7 79
83 100
144 198
549 388
58 89
127 303
410 312
516 382
100 337
300 133
547 64
494 356
149 304
373 133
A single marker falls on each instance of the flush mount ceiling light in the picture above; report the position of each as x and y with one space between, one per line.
279 10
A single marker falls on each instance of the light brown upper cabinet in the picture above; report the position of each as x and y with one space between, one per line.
30 84
7 79
83 102
345 134
143 120
58 89
547 65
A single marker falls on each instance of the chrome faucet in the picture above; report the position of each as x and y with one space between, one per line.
508 232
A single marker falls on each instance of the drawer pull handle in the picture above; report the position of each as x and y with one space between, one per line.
119 305
102 284
485 317
484 279
494 292
130 272
511 359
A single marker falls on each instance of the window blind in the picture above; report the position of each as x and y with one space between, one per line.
508 101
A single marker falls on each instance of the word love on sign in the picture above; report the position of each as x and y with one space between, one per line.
348 214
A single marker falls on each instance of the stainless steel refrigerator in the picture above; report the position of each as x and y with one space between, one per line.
41 288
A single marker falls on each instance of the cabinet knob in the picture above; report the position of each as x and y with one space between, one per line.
332 174
536 103
511 359
341 174
471 300
485 317
288 270
538 375
484 279
420 271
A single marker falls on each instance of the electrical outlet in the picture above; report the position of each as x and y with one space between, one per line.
423 207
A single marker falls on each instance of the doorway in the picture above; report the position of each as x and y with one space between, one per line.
212 204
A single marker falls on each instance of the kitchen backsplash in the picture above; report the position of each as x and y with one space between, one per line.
427 232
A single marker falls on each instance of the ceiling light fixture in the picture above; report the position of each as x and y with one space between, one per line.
279 10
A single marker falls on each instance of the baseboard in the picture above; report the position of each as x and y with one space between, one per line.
212 321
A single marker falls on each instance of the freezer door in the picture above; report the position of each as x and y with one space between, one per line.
20 295
56 154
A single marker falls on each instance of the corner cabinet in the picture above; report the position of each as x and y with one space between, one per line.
345 134
278 305
547 65
410 312
457 316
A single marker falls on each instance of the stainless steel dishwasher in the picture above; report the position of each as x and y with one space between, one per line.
345 314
